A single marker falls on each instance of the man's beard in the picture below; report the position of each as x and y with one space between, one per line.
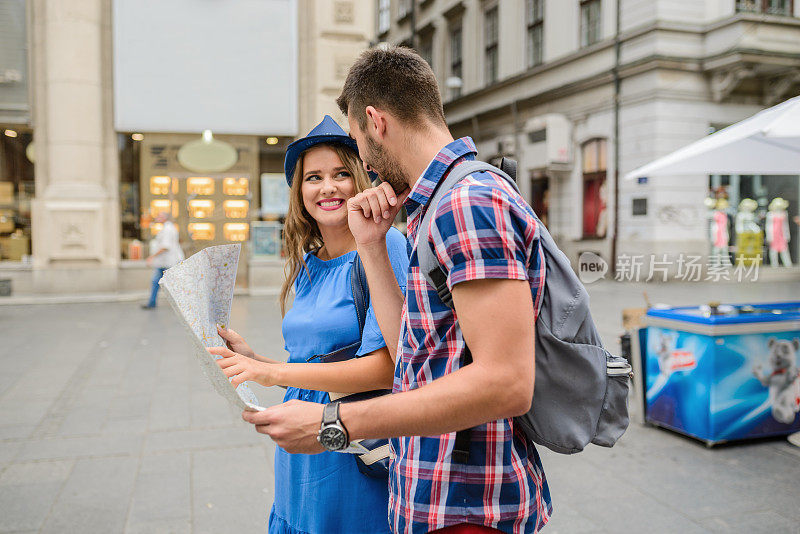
385 165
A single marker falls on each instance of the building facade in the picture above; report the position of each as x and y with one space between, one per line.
102 112
582 91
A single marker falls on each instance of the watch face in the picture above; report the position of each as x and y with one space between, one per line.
332 438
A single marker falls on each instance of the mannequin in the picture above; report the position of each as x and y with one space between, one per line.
749 237
719 234
777 225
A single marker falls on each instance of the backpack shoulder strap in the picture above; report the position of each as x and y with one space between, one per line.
358 284
433 271
429 264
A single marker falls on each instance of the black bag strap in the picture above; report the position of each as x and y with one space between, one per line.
360 288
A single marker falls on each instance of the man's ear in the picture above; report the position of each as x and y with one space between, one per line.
376 121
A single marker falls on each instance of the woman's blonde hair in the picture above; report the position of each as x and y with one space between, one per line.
301 232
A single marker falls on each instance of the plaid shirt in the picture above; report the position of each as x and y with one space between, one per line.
482 229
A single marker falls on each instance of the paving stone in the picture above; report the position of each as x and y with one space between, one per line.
162 493
566 520
160 526
54 448
228 490
137 426
128 407
9 451
230 436
83 421
761 522
15 412
16 431
27 491
95 498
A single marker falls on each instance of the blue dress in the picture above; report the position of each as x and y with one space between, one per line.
325 493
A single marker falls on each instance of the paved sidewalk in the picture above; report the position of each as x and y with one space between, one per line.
107 425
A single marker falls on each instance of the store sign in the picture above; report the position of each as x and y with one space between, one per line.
207 155
14 63
184 66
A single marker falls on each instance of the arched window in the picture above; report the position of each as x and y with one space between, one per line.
594 188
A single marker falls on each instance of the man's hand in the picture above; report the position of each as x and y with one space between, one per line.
370 213
240 368
293 425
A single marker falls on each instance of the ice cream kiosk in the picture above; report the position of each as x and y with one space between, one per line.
723 372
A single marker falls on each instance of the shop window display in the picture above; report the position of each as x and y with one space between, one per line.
235 186
163 205
208 208
201 231
200 186
236 231
159 185
236 209
201 208
765 214
594 188
16 194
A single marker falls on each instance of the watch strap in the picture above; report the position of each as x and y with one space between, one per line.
330 414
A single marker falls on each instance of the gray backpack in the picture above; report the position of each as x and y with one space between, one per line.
581 390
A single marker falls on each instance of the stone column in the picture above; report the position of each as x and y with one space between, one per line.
76 225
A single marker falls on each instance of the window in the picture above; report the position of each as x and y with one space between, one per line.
490 40
384 17
17 186
403 9
770 7
534 16
594 188
590 22
426 48
455 60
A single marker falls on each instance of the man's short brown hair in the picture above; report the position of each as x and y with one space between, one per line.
394 79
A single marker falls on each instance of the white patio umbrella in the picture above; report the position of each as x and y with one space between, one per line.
766 143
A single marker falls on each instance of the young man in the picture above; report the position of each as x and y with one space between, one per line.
486 239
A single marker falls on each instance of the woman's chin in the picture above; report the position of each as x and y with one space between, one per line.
331 219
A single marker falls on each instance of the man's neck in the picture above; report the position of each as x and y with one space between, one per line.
422 148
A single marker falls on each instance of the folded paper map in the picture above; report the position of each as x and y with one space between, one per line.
200 290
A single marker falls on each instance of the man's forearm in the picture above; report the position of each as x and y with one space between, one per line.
385 295
468 397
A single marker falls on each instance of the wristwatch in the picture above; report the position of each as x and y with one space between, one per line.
332 433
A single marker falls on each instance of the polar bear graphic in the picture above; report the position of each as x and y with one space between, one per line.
664 351
784 380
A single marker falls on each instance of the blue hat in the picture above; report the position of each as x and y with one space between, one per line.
327 131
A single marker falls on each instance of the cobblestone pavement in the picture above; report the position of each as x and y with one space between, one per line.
107 425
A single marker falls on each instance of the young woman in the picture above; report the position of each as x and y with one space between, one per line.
323 493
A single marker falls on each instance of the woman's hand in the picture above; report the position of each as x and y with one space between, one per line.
235 342
239 368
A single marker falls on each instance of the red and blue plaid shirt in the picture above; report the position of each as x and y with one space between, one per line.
482 229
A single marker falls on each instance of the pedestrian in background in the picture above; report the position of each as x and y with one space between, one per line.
165 252
325 493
